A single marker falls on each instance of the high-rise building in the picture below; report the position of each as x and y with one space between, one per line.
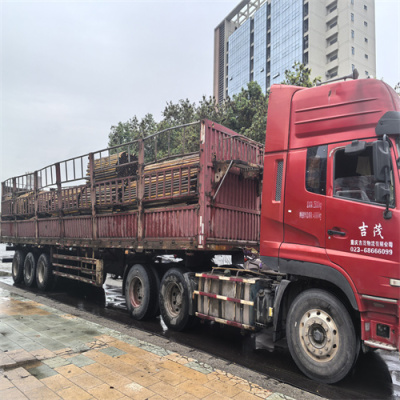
260 39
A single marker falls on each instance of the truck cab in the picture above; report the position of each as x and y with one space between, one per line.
330 219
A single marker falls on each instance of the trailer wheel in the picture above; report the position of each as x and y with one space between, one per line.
17 268
321 336
44 272
174 300
141 292
30 269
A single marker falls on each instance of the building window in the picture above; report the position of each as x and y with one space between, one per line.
305 58
352 34
353 50
352 17
365 7
305 10
305 43
305 25
332 23
332 57
366 73
332 40
365 23
352 2
366 40
353 67
332 8
366 56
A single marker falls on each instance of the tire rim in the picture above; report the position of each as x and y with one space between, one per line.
40 272
136 292
174 297
319 335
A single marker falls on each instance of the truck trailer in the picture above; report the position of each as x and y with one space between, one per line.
320 202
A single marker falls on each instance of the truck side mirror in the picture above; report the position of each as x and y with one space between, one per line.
381 160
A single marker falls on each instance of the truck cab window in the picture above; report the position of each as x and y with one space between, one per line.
354 176
316 169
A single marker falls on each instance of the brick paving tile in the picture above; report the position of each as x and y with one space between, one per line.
114 379
223 388
143 378
5 383
169 377
74 393
104 392
86 381
248 396
57 382
41 394
70 370
12 393
216 396
166 390
29 383
97 369
195 389
136 391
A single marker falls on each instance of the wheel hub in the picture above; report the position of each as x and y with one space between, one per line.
319 335
136 292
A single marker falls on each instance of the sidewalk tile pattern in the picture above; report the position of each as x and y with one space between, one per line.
45 354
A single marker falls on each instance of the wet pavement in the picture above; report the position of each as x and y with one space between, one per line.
376 375
47 353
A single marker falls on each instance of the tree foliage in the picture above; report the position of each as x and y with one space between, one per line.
299 75
245 113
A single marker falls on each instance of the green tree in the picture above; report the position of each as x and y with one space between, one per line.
299 75
397 88
246 112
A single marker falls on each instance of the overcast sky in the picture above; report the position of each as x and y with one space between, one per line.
71 69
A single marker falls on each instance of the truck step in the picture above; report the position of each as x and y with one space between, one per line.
379 345
225 321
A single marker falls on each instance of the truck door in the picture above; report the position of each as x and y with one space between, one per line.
358 238
305 204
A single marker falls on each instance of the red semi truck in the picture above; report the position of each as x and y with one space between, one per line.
327 226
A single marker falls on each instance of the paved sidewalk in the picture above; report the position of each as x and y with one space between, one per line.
46 354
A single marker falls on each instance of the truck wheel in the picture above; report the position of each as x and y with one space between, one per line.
17 268
141 292
321 336
44 272
30 270
174 300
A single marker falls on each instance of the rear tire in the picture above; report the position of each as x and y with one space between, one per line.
174 300
44 273
17 268
141 292
30 269
321 336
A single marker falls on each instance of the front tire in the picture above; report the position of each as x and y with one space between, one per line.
141 292
174 300
30 269
17 268
321 336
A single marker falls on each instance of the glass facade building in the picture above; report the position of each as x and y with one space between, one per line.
248 45
260 47
286 37
260 39
239 59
